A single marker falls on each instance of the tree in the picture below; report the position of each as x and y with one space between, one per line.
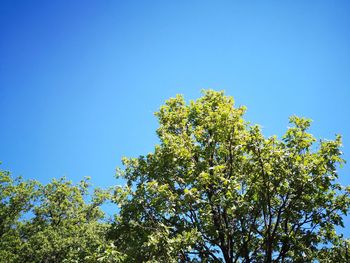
216 190
339 252
58 222
16 199
66 224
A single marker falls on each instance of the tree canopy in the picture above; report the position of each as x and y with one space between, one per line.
53 223
215 189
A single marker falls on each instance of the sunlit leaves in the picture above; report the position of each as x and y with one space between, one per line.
247 197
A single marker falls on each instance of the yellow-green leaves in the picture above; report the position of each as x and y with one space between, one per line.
217 190
297 136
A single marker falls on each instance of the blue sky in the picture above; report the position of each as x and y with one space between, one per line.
80 80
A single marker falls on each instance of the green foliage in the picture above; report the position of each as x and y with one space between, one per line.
64 227
63 222
16 199
339 252
214 190
217 190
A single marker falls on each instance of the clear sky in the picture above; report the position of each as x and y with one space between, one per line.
80 80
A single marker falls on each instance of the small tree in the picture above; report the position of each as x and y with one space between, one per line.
16 199
65 226
216 190
58 222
